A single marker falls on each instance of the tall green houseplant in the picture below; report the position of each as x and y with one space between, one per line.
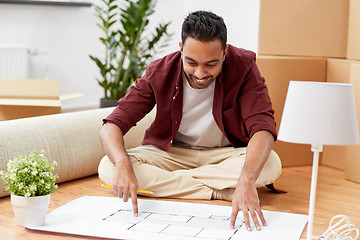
129 47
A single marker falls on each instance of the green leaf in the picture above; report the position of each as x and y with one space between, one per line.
113 7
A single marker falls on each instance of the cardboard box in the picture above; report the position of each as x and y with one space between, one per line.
352 153
304 28
353 48
338 71
278 72
28 98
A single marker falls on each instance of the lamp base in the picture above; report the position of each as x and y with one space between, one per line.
316 148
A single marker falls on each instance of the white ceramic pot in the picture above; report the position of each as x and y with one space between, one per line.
30 211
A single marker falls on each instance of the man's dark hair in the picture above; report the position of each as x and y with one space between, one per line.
204 26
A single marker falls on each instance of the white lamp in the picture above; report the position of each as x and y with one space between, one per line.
319 114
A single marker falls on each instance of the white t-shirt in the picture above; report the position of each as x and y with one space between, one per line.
198 128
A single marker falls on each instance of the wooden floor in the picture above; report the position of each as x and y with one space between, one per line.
334 196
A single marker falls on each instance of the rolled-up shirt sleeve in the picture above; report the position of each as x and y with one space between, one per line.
255 103
130 109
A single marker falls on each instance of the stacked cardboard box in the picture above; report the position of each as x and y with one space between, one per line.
304 28
309 31
353 47
339 71
28 98
278 71
352 153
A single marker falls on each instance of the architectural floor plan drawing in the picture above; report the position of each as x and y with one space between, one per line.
209 227
109 217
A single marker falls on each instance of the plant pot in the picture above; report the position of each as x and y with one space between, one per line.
108 103
30 211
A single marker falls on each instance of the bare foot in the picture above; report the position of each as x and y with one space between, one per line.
223 194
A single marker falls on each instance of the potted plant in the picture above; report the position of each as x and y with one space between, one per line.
30 181
128 45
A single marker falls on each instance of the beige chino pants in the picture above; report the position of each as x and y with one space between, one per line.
189 173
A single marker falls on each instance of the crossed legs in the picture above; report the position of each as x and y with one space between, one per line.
190 173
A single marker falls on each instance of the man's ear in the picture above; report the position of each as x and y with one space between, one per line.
181 47
225 51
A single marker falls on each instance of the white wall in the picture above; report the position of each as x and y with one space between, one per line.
241 18
69 34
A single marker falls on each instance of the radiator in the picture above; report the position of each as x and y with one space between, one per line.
14 62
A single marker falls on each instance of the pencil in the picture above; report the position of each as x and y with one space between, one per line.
139 190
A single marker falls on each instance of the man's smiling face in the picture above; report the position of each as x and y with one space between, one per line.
202 61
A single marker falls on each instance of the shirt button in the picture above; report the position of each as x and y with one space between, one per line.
174 97
177 87
171 141
176 122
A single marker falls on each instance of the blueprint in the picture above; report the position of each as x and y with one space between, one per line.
110 217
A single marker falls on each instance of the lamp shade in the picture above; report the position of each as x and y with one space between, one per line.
319 113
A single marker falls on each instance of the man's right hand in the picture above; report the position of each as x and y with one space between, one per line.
125 184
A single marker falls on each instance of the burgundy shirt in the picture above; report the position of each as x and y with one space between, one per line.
241 105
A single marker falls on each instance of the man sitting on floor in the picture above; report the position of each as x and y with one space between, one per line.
213 131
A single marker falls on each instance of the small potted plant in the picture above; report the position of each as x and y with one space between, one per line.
30 181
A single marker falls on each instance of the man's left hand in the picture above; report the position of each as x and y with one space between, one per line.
246 199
